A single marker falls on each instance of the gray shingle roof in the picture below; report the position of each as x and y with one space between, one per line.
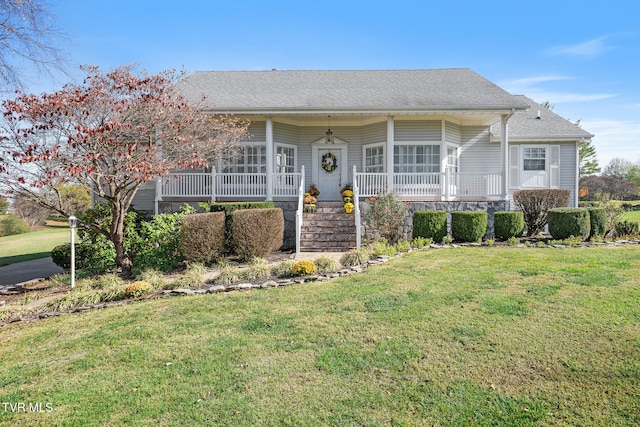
524 125
377 90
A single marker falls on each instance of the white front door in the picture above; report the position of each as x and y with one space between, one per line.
329 182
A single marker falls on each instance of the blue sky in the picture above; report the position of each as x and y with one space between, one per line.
583 57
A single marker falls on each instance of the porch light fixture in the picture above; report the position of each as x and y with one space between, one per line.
329 134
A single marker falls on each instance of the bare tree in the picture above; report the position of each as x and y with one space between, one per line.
27 36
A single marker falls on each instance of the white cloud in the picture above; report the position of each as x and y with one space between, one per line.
588 50
530 86
615 138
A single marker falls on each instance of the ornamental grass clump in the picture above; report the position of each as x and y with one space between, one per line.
386 216
355 257
283 269
327 264
304 268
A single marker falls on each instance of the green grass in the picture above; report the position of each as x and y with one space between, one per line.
632 216
37 244
495 336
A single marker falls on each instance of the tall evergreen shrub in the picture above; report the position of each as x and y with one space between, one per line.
430 224
468 226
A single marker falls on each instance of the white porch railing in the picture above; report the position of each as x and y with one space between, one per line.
441 186
356 203
300 210
212 185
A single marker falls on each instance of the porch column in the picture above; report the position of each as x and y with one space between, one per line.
270 160
389 152
504 154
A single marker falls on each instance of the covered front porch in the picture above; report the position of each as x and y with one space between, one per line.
444 186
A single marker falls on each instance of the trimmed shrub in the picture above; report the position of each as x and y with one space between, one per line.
202 237
508 224
430 225
468 226
567 222
535 204
229 207
627 229
598 218
257 232
93 258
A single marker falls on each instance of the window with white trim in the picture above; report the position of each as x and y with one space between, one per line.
416 158
452 159
374 159
285 158
252 159
534 159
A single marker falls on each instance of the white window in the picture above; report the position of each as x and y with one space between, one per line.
374 159
285 158
416 158
252 159
534 166
534 159
452 159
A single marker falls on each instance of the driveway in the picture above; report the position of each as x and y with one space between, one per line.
24 271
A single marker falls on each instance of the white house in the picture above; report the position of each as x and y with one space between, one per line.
443 138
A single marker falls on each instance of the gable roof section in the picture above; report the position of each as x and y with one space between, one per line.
275 91
526 126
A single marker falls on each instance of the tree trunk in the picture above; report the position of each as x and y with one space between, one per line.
123 260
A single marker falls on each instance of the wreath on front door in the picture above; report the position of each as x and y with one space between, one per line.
329 162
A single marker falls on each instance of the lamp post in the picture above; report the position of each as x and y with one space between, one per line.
73 222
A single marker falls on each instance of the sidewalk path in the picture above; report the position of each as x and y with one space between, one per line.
21 272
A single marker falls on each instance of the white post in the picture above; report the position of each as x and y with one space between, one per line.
213 184
270 158
389 152
504 155
72 226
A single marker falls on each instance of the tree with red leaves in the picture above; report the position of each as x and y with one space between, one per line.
112 133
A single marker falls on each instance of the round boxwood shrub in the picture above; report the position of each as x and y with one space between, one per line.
508 224
598 219
468 226
567 222
430 224
95 258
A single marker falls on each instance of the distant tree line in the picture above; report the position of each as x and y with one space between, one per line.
619 180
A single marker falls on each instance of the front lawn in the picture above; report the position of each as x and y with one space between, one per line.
498 336
33 245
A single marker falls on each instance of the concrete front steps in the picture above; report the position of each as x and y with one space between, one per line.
328 229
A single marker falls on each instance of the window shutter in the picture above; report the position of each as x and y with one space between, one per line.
514 166
554 167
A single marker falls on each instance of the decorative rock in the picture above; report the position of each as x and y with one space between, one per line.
231 287
335 275
269 284
244 286
183 291
216 288
357 269
285 281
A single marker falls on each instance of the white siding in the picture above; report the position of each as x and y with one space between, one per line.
568 169
477 154
452 133
375 133
418 130
257 132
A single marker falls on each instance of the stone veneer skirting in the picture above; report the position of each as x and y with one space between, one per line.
289 212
